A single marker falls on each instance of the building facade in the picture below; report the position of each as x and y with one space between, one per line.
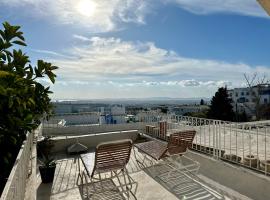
114 114
246 99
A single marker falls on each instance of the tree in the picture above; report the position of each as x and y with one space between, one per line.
202 102
221 107
201 114
164 109
241 117
23 99
255 85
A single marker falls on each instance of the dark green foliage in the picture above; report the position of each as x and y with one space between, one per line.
265 111
221 107
163 109
241 117
23 100
202 114
44 148
202 102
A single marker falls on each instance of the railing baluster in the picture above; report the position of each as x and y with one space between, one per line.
243 141
236 141
266 166
258 165
230 139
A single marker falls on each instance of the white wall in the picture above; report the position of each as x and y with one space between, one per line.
82 118
83 130
91 141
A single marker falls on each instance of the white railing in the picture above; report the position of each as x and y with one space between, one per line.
244 144
84 126
16 183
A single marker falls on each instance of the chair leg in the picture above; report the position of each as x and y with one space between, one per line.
143 160
131 181
126 184
87 189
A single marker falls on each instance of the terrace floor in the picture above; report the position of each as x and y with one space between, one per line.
152 179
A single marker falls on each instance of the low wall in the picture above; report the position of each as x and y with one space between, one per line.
82 118
93 129
91 141
16 184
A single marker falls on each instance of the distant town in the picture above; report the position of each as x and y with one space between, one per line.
113 111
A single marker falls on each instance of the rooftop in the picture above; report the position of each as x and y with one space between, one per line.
221 152
216 178
152 179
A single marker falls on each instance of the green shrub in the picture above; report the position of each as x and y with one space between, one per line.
23 99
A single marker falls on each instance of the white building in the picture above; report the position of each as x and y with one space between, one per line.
76 118
115 114
244 99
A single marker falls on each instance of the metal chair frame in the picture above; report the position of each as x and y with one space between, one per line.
164 152
109 157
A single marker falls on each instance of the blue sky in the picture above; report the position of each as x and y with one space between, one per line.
144 48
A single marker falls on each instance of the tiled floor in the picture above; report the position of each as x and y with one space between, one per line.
154 182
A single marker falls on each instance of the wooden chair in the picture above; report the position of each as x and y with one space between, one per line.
178 144
109 157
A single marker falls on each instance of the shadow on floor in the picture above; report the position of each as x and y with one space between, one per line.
44 191
102 190
182 185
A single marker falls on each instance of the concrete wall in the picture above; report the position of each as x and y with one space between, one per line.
82 118
84 130
91 141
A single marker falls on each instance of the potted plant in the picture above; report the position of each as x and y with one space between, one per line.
48 164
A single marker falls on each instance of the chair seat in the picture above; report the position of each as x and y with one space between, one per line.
107 157
156 149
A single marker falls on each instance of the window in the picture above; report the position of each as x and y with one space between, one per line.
236 94
247 93
265 100
265 92
242 94
241 100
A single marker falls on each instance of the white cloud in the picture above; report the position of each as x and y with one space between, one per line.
81 38
242 7
109 15
105 16
52 53
181 83
126 63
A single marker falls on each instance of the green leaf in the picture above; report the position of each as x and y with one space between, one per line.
32 101
54 67
29 118
10 102
52 78
3 91
19 43
38 73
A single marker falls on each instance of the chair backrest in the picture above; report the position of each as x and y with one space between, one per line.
112 155
179 142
